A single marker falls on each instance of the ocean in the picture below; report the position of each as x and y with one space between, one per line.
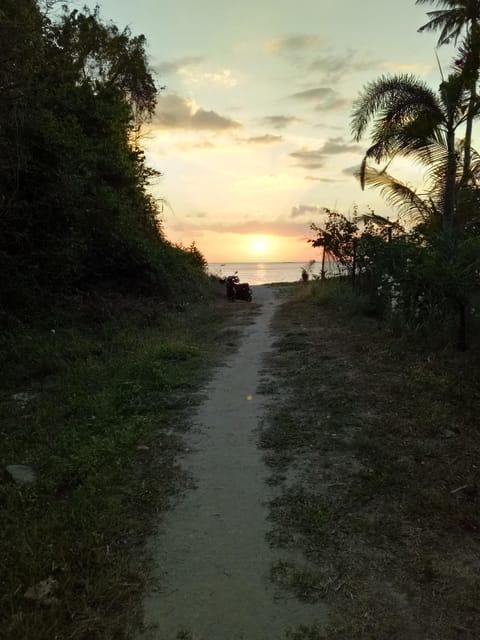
266 272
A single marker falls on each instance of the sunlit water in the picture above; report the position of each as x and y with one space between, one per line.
266 272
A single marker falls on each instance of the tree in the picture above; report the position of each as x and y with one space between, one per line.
419 208
337 238
411 120
75 206
106 58
454 17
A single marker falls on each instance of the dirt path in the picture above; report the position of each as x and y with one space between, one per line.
211 556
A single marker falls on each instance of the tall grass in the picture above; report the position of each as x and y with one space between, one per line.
337 292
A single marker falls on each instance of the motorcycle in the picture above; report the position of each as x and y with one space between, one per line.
237 290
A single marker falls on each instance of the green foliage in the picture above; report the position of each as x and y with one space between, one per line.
75 210
336 237
411 120
339 293
196 256
429 275
96 402
416 280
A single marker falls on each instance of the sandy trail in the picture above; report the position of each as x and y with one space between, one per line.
211 555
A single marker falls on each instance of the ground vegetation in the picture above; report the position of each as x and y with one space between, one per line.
373 455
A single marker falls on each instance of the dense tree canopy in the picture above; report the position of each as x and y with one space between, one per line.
74 204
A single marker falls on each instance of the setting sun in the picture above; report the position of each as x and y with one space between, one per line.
259 245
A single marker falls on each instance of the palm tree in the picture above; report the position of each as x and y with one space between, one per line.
419 208
324 240
411 120
451 19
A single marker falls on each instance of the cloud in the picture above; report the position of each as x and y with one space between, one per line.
224 78
277 227
324 97
401 67
319 179
294 43
333 104
351 171
337 145
198 214
268 138
335 67
312 95
174 66
175 112
192 146
304 209
315 158
310 52
187 68
280 122
308 158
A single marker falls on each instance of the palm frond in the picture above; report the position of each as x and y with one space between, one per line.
400 196
446 4
410 139
451 18
436 161
408 119
448 21
397 97
380 221
361 172
475 167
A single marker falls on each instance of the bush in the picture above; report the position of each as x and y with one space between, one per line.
338 292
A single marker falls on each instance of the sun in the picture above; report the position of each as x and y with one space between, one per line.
259 245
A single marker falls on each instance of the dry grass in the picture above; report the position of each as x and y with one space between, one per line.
374 445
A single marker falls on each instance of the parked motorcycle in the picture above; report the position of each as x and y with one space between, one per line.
237 290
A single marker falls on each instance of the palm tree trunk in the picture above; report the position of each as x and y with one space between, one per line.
472 68
468 132
462 325
450 182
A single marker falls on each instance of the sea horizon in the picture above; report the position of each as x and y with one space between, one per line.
306 262
266 272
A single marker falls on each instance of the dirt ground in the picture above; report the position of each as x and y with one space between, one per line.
335 473
375 452
211 556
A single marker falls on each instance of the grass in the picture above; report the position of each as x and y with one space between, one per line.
374 451
96 401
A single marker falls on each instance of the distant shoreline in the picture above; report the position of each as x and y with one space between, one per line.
269 272
305 262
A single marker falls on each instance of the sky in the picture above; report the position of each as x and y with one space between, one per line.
252 130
